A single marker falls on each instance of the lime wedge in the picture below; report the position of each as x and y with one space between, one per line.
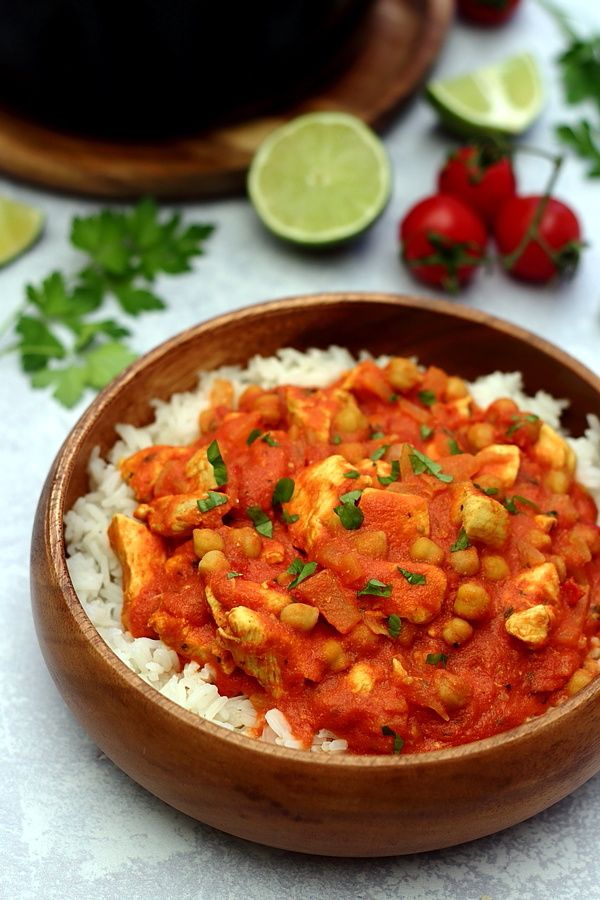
320 179
20 225
501 99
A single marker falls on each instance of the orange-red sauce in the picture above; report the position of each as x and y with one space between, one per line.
450 598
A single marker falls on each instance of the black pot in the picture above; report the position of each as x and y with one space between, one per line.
149 68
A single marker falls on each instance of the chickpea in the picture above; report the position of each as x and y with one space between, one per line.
472 601
457 631
502 409
465 562
213 561
578 680
363 638
495 568
371 543
274 552
480 435
269 409
403 374
248 541
333 654
408 634
300 616
539 539
249 396
426 550
557 481
456 389
221 393
207 421
353 451
560 566
206 539
452 690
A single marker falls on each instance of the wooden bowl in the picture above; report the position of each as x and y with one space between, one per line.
342 806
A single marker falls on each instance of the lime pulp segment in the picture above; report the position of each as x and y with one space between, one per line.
319 179
20 225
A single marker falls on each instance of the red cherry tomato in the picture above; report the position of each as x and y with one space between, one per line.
538 238
482 177
443 241
487 12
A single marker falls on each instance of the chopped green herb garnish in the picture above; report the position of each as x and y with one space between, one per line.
510 504
427 398
398 740
231 575
412 577
262 522
489 491
268 439
336 439
351 496
462 542
254 435
213 455
393 398
377 454
425 431
551 512
375 588
352 474
519 422
436 659
287 519
284 491
213 500
301 570
454 448
394 625
393 476
421 463
377 435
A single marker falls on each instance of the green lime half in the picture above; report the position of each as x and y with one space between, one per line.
320 179
501 99
20 225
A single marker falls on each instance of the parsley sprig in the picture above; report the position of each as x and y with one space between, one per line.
61 337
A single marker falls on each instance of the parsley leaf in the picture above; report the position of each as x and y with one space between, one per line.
231 575
284 491
454 448
425 431
520 421
287 519
213 500
394 625
375 588
584 139
412 577
336 439
350 515
37 344
510 504
254 435
377 454
213 455
488 491
352 474
462 542
377 435
268 439
301 570
262 522
393 476
421 463
436 659
427 398
398 740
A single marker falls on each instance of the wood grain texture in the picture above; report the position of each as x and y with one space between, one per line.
343 806
403 40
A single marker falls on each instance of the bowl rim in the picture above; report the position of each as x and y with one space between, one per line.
66 458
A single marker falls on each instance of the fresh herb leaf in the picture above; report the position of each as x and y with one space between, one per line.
262 522
268 439
37 344
412 577
398 740
584 139
349 515
351 496
69 383
510 504
392 398
427 398
425 431
377 454
520 421
284 491
375 588
213 454
436 659
393 476
462 542
394 625
488 491
301 570
104 362
336 439
352 474
231 575
421 463
454 448
213 500
287 519
377 435
253 436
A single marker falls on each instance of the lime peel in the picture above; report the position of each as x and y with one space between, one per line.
20 227
320 179
503 98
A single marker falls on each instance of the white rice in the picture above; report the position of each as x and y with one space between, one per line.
95 570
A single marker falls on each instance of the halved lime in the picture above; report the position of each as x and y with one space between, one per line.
20 225
322 178
501 99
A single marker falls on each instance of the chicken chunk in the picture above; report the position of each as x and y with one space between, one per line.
500 460
403 517
142 556
485 520
316 493
532 626
553 451
540 583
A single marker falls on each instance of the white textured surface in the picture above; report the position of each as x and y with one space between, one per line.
71 824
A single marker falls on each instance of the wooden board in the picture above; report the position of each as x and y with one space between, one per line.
404 39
